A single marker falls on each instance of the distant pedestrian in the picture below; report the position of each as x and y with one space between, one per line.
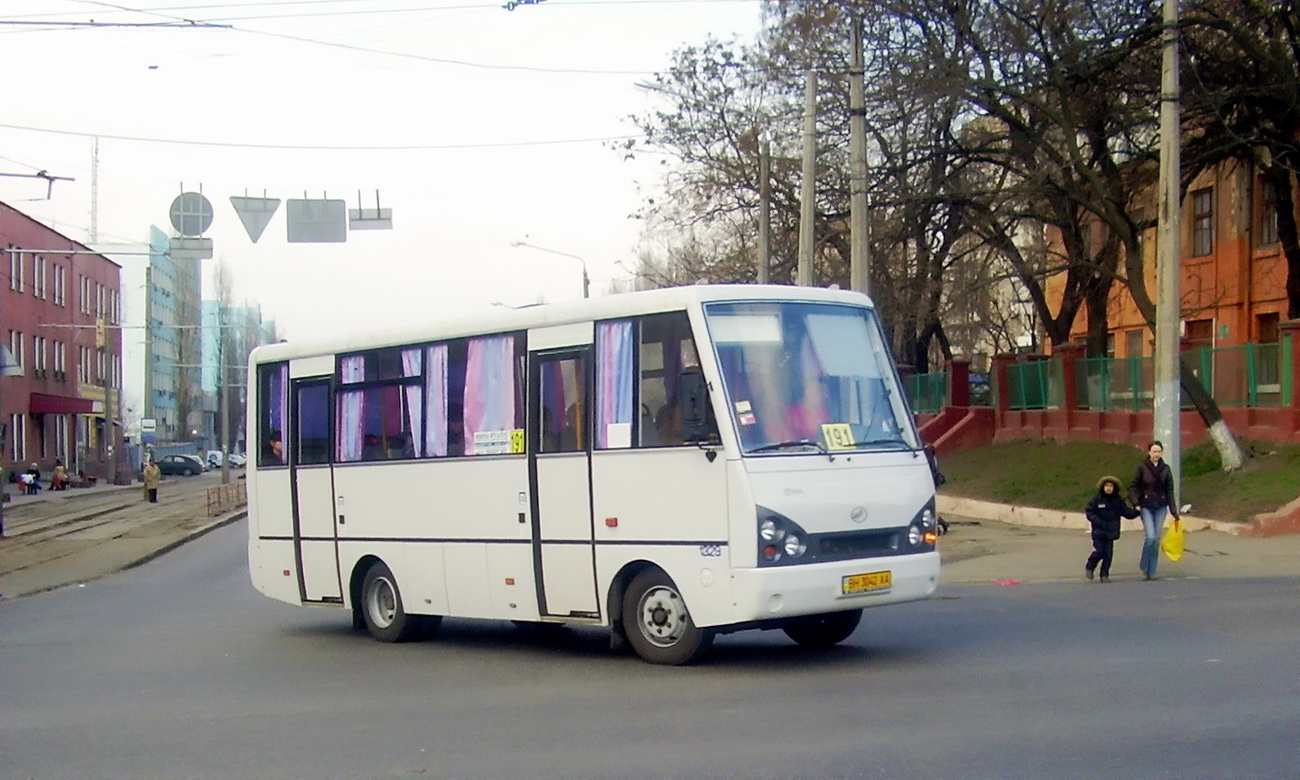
32 479
1152 492
1104 512
60 479
152 479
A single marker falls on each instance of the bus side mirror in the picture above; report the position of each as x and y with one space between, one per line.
692 403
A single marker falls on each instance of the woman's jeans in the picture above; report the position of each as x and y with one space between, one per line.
1153 520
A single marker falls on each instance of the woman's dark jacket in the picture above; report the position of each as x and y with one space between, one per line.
1153 486
1104 511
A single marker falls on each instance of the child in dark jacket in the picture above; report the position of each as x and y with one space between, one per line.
1104 512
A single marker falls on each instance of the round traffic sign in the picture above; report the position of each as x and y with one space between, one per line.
191 214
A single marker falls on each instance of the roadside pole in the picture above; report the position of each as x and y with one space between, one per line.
1168 263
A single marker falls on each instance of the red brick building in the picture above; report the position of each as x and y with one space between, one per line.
59 303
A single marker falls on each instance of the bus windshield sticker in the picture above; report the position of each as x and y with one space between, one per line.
492 442
517 442
838 436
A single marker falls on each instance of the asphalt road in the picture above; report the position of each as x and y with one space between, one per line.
179 668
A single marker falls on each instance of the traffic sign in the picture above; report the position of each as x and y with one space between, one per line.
191 214
255 213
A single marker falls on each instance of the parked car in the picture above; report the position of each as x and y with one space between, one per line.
215 458
184 465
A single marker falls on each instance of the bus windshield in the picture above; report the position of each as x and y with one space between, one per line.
808 377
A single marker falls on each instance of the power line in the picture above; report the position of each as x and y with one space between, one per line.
313 148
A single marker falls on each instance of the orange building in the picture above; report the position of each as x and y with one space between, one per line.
1233 272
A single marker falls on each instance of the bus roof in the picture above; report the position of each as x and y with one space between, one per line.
603 308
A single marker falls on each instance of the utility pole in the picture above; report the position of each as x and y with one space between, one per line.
764 210
808 194
859 220
1169 261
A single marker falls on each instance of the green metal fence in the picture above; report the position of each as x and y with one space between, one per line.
1034 384
927 392
1244 375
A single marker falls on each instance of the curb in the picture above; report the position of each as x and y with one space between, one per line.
1054 518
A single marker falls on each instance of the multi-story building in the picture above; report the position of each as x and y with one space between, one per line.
60 312
1233 277
229 334
161 347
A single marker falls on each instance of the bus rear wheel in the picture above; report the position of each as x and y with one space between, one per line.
657 623
381 608
823 630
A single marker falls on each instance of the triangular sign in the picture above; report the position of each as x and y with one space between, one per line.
255 213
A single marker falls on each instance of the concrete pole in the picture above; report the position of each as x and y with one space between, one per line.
808 193
1169 262
859 221
764 211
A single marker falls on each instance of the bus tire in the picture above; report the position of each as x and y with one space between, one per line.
381 607
657 623
824 630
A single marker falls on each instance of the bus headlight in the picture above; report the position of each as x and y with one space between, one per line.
780 539
921 532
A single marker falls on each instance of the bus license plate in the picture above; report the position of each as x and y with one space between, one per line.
865 583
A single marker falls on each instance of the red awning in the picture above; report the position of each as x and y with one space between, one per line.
44 403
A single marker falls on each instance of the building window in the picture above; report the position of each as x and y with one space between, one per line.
1199 333
1203 222
84 301
1133 343
16 347
83 365
1267 214
18 438
38 276
15 269
60 285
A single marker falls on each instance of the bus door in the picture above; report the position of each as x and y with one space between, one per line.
559 470
315 515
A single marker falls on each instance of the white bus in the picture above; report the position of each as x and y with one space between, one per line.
672 464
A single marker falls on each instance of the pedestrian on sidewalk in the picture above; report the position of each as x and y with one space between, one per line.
152 479
1152 492
1104 512
60 479
32 479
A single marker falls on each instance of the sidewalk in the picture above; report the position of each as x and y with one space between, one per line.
1009 545
72 536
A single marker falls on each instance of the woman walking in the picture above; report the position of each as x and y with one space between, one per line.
1152 492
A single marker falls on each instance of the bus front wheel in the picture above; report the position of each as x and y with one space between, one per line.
824 630
381 607
657 623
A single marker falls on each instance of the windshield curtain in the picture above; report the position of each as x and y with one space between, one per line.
808 372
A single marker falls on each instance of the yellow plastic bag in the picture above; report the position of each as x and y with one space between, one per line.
1172 541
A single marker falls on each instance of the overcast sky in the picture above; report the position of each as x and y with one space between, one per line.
492 126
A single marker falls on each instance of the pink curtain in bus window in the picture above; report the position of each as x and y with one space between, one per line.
412 360
613 379
435 400
282 398
351 407
489 387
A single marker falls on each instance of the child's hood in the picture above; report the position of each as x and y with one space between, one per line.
1101 484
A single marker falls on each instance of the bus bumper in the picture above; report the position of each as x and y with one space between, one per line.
793 591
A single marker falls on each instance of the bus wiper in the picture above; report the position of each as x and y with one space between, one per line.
781 445
883 444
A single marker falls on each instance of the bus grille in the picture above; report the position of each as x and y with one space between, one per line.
859 544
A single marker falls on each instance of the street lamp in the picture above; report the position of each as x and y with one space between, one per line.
8 367
586 282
